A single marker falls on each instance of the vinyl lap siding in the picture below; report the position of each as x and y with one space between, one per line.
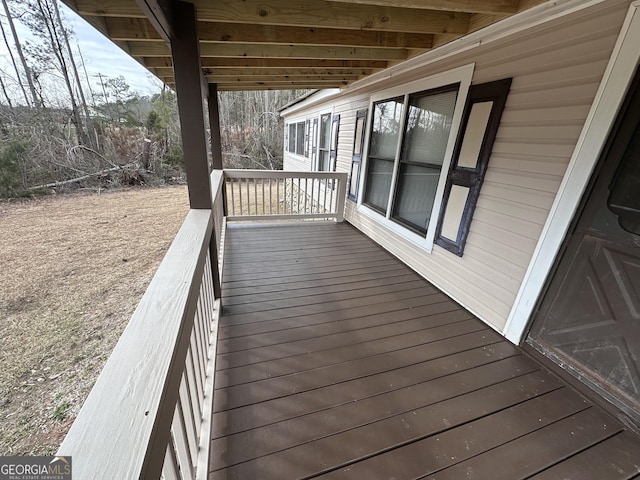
556 70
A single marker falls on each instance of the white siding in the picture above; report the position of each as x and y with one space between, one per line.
556 69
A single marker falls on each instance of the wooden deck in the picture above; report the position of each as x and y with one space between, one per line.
336 361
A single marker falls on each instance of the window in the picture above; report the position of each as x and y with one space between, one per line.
295 142
324 143
356 157
415 152
411 138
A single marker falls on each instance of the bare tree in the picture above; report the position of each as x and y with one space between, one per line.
10 50
65 35
42 22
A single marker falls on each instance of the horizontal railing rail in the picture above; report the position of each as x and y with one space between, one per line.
145 416
283 195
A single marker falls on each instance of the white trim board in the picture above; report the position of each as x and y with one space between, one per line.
604 110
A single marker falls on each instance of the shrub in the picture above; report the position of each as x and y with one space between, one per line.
11 156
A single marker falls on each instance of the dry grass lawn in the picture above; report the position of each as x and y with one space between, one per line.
73 269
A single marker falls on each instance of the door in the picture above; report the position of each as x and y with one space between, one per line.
589 318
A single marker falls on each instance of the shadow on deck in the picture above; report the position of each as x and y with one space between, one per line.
335 360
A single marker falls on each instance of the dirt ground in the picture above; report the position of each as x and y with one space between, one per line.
73 268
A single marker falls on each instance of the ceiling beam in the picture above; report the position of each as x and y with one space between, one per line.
287 35
160 14
292 63
320 80
302 13
155 49
281 85
275 72
323 13
131 29
271 72
159 62
492 7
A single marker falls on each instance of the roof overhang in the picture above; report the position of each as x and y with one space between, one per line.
293 44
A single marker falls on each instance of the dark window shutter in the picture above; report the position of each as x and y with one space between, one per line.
480 122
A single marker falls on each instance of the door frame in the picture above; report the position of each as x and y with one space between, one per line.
596 131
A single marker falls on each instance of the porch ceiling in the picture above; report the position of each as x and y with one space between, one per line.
294 44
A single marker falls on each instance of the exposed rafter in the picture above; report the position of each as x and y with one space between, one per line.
268 44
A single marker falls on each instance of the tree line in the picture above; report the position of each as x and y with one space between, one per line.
59 130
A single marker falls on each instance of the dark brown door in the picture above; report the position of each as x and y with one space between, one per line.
589 318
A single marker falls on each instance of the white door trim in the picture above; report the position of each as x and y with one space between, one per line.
609 97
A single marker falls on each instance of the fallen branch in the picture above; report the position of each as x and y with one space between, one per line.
79 179
90 150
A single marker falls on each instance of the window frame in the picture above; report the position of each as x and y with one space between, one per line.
295 127
461 76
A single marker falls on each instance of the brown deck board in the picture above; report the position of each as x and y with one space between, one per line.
337 361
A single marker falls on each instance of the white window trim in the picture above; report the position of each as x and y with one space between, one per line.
461 75
297 156
604 110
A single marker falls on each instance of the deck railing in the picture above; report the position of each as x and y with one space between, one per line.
144 416
148 415
280 195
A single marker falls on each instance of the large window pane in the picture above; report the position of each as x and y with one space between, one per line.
300 138
426 136
323 161
385 128
415 196
325 131
379 173
428 127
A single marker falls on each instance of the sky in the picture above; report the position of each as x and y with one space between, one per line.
101 56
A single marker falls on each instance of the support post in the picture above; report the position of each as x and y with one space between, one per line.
214 125
186 65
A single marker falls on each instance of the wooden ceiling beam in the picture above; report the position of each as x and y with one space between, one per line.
287 35
159 62
249 87
156 49
132 29
323 13
320 80
292 63
271 72
161 15
302 13
491 7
